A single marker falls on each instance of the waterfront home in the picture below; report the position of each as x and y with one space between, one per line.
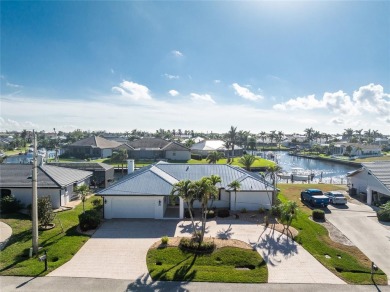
356 150
206 146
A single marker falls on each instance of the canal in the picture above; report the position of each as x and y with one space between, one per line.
332 172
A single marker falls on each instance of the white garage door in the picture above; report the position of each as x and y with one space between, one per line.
133 207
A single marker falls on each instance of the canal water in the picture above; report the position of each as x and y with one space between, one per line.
331 172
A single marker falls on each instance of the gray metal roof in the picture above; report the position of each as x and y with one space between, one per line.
84 165
381 170
158 179
96 142
20 175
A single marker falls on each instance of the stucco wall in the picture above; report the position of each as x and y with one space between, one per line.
362 180
251 201
25 195
178 155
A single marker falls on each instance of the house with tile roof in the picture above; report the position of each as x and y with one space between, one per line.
145 193
56 182
156 149
372 180
94 146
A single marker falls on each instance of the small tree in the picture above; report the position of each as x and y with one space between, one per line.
83 191
214 157
288 212
235 186
45 211
247 160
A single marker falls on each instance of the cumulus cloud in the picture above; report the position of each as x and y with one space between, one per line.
337 121
173 92
169 76
12 125
246 93
370 98
202 97
132 90
217 81
177 53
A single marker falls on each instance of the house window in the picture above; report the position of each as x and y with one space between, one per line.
174 154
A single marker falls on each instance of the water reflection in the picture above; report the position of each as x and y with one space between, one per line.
324 171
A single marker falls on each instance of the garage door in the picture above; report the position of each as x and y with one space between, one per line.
135 207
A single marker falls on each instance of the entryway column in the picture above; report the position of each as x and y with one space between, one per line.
181 204
369 196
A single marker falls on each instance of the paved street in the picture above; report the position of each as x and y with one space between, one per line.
360 225
118 250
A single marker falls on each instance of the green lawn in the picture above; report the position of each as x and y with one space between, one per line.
347 262
260 162
173 264
60 246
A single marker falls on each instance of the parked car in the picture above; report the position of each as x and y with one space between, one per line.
315 197
336 197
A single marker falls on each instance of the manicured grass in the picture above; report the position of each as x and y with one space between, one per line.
173 264
60 246
353 267
260 162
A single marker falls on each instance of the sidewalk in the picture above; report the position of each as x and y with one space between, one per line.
5 234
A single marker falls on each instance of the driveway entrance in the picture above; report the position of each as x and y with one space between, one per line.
360 224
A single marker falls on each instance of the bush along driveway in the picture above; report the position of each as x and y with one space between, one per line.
59 245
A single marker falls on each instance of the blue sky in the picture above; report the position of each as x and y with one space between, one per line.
204 66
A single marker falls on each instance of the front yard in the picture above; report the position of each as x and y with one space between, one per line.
60 246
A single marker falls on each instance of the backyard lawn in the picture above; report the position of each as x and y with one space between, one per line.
347 262
259 163
227 264
60 246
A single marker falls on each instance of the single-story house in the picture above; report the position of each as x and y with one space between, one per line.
102 173
56 182
206 146
373 180
94 146
145 193
356 149
156 149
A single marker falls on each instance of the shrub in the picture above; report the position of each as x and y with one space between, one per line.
266 220
384 215
243 210
210 214
45 211
9 204
196 156
223 213
192 245
164 239
261 210
89 220
97 204
276 210
187 213
318 214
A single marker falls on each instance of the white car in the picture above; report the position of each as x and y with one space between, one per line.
336 197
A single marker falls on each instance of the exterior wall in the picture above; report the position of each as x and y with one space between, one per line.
251 201
25 195
106 152
361 181
222 203
178 155
145 154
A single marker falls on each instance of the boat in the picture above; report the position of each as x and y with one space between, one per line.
296 174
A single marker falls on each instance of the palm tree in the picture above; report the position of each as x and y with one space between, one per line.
235 186
183 190
348 133
189 143
227 146
83 191
252 143
272 172
214 156
263 136
309 134
279 137
272 136
247 160
232 137
289 211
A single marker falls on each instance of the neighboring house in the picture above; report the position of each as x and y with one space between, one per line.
93 146
102 174
156 149
206 146
373 179
145 193
356 149
56 182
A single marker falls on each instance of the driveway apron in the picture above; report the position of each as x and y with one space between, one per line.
360 224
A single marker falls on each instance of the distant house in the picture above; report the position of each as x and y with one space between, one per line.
206 146
356 149
145 193
373 180
156 149
102 174
56 182
94 146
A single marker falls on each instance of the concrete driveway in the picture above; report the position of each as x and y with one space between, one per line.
118 250
360 224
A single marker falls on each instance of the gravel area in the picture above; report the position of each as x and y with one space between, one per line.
335 234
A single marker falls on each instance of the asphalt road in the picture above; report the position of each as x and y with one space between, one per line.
62 284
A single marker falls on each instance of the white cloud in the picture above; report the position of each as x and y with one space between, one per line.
307 102
202 97
217 81
372 99
177 53
173 92
246 93
169 76
13 85
12 125
337 121
132 90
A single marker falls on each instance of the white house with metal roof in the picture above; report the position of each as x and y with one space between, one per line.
56 182
145 193
373 179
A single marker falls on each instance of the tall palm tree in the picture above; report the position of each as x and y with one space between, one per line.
247 160
309 134
272 136
252 143
279 137
183 190
235 186
232 137
348 133
83 191
272 172
214 156
289 211
263 136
